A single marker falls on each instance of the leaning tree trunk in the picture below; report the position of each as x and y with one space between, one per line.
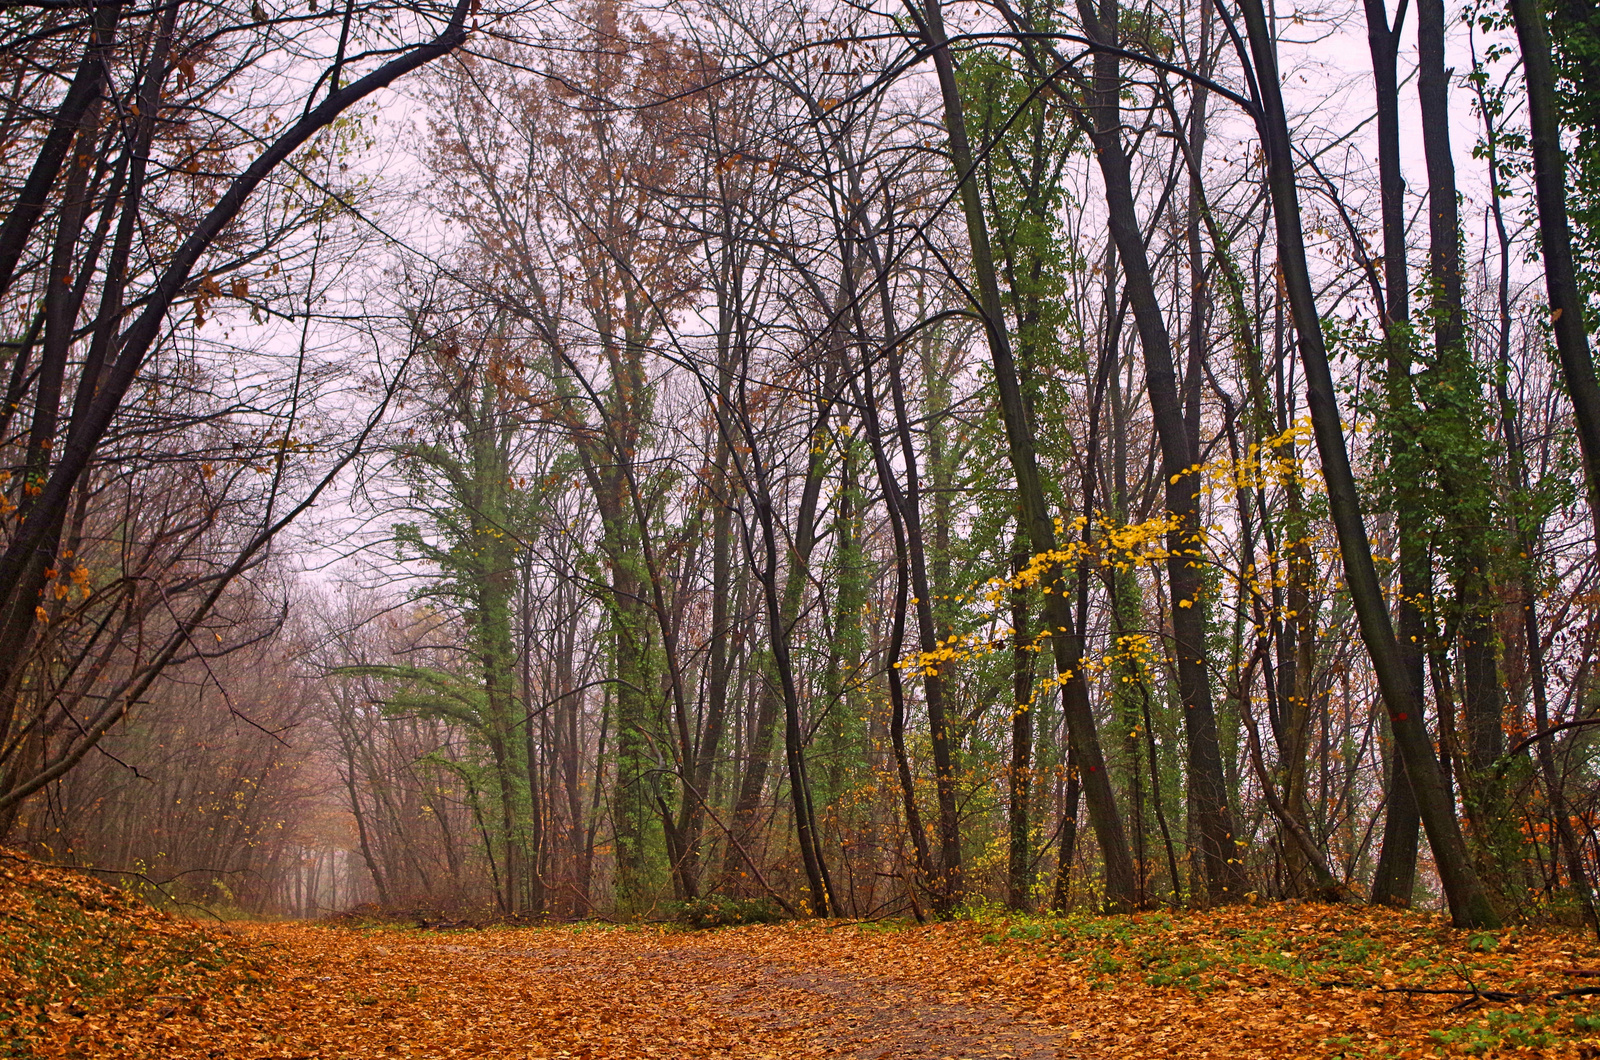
1555 238
1469 901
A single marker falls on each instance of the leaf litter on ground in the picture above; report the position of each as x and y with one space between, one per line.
89 970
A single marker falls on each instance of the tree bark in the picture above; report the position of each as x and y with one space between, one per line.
1464 475
1555 239
1469 901
1019 868
1120 885
1224 875
1395 876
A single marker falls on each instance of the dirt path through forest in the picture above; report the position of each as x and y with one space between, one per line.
1290 981
756 1003
88 971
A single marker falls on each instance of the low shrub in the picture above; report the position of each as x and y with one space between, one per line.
719 910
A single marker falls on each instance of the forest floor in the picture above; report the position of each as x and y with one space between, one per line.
87 970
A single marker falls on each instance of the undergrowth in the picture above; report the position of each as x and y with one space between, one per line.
73 948
1373 956
718 910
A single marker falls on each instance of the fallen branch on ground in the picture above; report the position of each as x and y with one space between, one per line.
1473 995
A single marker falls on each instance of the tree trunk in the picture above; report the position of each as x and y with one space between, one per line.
1469 901
1020 779
1555 239
1464 474
1224 870
1395 875
1120 884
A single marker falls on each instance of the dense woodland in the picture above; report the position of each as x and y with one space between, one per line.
572 459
